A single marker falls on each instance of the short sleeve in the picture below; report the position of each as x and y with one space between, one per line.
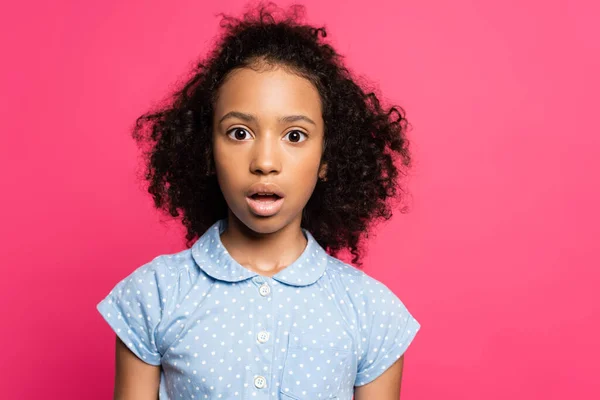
134 308
387 329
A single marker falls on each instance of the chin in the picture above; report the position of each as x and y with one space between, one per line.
263 225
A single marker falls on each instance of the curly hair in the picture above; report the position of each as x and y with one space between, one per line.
363 141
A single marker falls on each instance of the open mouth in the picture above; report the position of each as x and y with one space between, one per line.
265 205
265 197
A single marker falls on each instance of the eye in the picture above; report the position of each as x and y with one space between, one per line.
296 136
240 134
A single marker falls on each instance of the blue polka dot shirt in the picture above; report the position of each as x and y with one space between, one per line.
314 330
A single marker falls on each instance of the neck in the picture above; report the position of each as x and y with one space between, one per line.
265 253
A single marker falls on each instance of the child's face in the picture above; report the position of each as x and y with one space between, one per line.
265 150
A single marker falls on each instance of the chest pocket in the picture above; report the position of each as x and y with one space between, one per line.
315 365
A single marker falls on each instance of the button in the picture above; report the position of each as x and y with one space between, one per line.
260 382
264 289
263 336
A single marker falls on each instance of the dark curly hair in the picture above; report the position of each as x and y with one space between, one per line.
363 141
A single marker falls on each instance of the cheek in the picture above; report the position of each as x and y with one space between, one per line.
308 163
223 158
307 169
227 170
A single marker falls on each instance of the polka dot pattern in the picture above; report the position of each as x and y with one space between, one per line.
314 330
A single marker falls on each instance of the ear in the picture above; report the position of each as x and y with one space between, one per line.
323 172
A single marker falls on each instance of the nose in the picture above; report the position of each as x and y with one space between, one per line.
265 155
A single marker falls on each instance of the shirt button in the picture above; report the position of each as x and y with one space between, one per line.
264 289
260 382
263 336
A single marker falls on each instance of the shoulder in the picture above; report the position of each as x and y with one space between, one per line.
162 269
385 326
375 305
357 282
159 279
343 272
140 306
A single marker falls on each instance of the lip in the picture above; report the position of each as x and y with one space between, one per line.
265 187
265 208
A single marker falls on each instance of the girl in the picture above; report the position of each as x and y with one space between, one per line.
277 160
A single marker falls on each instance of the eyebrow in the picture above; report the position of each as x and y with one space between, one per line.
251 118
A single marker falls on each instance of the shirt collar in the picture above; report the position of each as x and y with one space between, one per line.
213 258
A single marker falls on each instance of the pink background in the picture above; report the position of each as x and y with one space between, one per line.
498 258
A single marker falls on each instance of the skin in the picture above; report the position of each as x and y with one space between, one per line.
285 153
251 102
134 379
385 387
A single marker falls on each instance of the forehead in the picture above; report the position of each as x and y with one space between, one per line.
268 92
